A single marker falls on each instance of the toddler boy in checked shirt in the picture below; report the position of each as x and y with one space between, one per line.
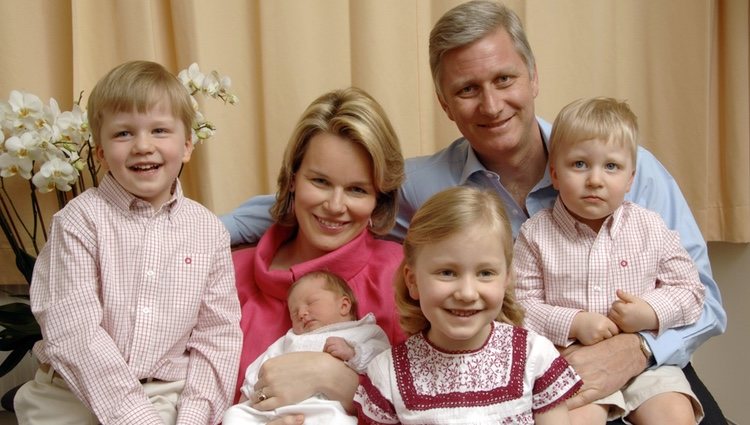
134 290
595 265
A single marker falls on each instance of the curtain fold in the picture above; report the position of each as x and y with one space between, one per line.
682 66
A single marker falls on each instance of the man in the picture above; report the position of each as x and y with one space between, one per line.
485 78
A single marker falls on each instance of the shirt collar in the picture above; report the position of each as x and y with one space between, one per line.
473 165
113 191
573 227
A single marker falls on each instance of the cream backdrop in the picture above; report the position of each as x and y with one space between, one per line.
682 65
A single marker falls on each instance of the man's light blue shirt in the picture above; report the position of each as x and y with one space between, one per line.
653 188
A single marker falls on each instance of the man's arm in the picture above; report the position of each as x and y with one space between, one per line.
248 222
654 188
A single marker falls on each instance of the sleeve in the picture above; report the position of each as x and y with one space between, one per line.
678 296
373 342
373 407
248 222
65 302
655 189
405 211
545 319
214 345
554 379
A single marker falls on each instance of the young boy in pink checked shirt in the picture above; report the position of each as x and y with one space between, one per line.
595 265
134 290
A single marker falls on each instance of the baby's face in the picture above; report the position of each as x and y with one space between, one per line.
312 306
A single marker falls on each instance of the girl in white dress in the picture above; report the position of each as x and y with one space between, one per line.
467 360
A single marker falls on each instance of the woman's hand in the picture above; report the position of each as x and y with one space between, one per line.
291 378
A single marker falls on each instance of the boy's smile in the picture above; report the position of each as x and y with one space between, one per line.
144 151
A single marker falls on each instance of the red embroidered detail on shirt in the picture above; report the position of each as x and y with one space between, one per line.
188 260
427 381
624 263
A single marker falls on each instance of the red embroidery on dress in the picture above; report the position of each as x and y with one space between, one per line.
428 378
558 383
374 396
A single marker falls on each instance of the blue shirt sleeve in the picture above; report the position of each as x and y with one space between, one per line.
248 222
654 188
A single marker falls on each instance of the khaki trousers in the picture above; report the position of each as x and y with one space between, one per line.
47 400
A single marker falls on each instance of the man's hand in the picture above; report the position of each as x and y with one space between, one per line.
633 314
605 367
589 328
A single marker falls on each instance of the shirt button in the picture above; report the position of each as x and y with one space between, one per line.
146 310
597 288
150 273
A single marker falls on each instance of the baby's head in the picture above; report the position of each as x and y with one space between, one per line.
318 299
141 120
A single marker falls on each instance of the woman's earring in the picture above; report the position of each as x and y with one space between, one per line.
369 223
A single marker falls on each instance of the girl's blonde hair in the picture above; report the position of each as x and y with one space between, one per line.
598 118
354 115
138 86
444 215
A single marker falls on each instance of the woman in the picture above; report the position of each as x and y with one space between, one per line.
337 188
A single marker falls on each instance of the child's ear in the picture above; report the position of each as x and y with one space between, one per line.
410 279
346 306
553 175
99 152
188 150
630 182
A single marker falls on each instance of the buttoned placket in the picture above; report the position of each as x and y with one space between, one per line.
148 286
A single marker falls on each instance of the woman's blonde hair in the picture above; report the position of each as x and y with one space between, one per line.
444 215
138 86
600 118
354 115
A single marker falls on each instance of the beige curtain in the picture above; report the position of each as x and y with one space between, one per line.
683 66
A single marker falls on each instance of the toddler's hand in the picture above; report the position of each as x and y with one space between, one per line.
589 328
633 314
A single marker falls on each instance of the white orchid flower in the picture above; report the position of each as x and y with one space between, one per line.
26 109
55 174
212 84
73 126
11 165
191 78
24 146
